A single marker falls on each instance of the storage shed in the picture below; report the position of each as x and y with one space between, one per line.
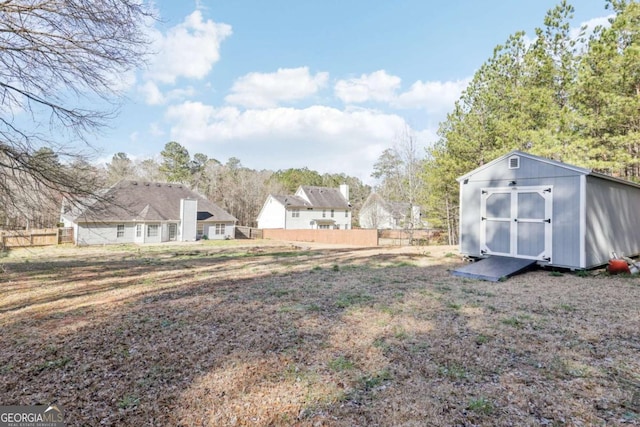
525 206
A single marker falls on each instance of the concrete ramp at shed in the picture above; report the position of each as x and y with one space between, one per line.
494 268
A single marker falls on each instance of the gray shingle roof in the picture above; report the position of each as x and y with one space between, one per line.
291 201
399 209
148 201
325 197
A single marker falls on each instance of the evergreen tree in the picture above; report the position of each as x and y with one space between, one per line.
175 163
121 167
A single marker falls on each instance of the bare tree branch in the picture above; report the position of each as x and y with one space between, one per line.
59 61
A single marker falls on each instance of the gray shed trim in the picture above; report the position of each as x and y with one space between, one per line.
526 155
550 162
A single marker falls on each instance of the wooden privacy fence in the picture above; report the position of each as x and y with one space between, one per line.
35 237
243 232
358 237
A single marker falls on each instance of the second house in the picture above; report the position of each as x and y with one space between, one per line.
309 208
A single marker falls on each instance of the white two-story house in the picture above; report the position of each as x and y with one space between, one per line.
309 208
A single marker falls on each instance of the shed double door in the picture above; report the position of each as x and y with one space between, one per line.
516 222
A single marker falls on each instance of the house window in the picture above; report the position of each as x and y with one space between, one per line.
120 230
332 213
346 213
152 230
200 229
324 213
220 229
138 230
323 226
295 213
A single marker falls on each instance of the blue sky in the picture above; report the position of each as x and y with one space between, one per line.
326 84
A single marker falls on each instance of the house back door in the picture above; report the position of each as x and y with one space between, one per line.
516 222
173 231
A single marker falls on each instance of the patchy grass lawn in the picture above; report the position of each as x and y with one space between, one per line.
216 335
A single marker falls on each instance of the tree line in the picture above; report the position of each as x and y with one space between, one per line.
239 190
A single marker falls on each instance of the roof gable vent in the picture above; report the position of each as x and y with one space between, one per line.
514 162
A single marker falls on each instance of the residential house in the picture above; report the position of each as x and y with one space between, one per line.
309 208
380 214
147 212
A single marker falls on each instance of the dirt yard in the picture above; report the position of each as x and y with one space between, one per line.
274 334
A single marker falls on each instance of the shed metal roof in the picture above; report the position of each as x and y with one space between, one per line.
577 169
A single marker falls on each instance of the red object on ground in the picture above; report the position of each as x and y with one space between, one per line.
618 266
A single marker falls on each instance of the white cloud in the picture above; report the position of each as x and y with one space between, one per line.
187 50
434 97
321 138
153 96
377 86
151 93
180 94
590 25
265 90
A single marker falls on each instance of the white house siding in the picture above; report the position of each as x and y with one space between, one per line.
210 231
311 218
272 214
153 239
376 216
104 234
